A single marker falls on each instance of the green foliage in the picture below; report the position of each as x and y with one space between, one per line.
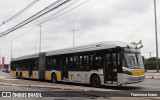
150 64
152 59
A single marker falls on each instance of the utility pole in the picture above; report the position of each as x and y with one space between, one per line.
35 47
0 56
19 53
11 50
150 53
40 40
156 35
73 38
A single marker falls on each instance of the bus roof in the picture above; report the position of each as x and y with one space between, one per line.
83 48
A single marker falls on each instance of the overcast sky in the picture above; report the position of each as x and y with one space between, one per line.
94 21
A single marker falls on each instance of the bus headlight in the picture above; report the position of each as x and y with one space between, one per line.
127 72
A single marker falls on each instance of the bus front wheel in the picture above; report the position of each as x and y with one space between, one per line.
95 81
54 78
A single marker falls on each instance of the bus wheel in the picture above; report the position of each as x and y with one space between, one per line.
95 81
54 78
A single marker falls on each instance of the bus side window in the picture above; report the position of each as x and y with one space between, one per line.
86 62
36 64
58 63
81 62
54 63
13 68
48 63
71 65
98 61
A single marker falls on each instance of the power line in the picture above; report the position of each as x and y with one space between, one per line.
19 13
24 33
35 16
51 18
20 35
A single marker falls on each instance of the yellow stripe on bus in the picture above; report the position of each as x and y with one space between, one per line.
69 76
58 75
25 74
13 74
138 72
48 75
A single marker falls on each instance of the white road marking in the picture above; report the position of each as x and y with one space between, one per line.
150 86
11 79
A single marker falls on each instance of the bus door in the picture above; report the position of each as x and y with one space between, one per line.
111 67
64 68
41 65
30 68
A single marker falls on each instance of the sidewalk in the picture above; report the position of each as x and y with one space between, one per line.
152 75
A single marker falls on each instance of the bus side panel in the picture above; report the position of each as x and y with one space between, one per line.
35 74
42 65
25 74
13 73
48 75
58 74
83 76
77 76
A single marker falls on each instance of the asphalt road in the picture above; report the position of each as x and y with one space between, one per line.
147 85
63 95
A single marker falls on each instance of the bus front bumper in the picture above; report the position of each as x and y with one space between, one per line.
135 79
128 79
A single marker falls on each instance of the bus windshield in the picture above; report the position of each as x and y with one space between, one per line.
134 61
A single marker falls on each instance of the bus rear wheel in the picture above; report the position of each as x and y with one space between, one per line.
54 78
95 81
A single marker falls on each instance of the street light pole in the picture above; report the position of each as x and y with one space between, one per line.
150 53
156 35
40 41
35 47
0 56
73 38
11 50
19 53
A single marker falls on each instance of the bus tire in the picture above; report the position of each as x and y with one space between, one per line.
95 80
54 78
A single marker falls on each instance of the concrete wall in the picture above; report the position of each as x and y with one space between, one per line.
152 75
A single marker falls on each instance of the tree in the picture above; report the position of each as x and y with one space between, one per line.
150 63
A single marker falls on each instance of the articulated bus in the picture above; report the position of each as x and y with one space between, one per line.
105 63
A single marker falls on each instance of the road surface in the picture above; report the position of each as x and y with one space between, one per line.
78 91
